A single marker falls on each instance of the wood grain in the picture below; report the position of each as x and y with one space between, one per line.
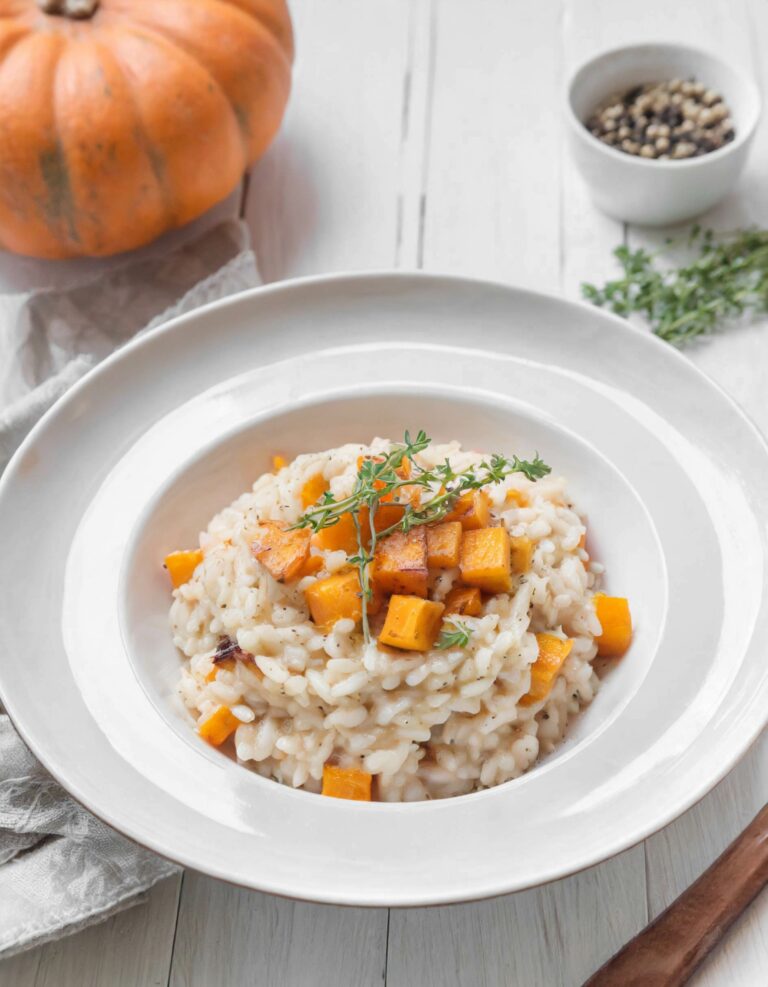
326 196
681 852
229 936
132 949
670 949
536 937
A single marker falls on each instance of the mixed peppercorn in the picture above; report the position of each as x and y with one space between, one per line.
671 120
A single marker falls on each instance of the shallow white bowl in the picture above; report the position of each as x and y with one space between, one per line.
133 461
647 191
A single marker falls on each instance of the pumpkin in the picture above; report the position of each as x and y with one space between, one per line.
122 119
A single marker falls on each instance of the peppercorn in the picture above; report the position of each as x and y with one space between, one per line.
672 120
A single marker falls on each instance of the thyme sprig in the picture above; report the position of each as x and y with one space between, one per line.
726 280
456 638
378 480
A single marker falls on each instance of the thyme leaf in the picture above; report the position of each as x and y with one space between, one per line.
456 638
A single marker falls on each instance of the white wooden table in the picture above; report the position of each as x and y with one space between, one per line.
426 133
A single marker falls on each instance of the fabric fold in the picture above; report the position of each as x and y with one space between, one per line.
62 869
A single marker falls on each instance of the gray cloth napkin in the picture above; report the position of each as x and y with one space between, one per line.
60 868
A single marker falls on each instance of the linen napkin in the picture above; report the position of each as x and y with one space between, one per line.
60 868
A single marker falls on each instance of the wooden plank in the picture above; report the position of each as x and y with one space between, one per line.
553 935
132 949
227 935
680 852
588 237
325 197
491 195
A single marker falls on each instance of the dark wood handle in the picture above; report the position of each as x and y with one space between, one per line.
667 952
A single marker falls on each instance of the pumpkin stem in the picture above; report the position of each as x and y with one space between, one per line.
69 8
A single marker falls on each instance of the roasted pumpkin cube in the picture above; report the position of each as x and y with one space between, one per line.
312 565
313 490
616 622
444 545
385 516
485 560
400 563
517 498
466 600
346 783
218 726
521 553
281 550
181 565
411 623
338 597
227 663
404 469
552 653
341 536
472 509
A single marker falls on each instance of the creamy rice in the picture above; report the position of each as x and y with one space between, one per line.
424 724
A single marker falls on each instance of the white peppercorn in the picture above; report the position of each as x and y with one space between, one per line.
676 119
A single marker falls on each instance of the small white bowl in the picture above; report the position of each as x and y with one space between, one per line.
648 191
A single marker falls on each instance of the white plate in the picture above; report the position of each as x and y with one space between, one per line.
133 461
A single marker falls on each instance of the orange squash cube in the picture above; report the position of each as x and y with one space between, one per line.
466 600
486 559
411 623
521 553
444 545
472 509
282 551
517 498
400 563
228 664
346 783
218 726
313 490
616 622
386 514
337 598
341 536
181 565
552 653
312 565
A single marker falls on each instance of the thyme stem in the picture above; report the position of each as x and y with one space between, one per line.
726 279
378 480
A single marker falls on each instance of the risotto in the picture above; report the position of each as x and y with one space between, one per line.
396 621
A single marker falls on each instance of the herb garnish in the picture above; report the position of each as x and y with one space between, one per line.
456 638
380 478
728 278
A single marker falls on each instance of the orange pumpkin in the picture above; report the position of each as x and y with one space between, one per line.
121 119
